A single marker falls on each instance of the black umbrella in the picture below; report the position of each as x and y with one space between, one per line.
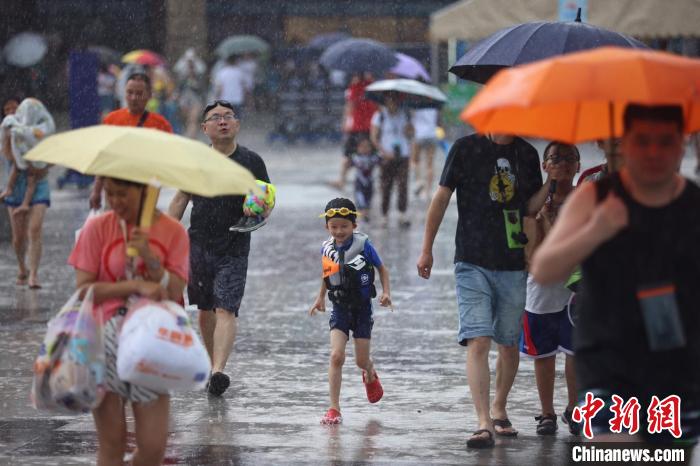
325 40
358 55
528 42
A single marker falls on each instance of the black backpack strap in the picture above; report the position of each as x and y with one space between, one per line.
142 120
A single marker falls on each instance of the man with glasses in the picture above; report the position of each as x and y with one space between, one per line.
137 93
219 256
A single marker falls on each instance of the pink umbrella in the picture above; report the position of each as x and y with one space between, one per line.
409 67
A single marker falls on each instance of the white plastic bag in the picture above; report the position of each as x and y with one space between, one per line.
159 349
69 372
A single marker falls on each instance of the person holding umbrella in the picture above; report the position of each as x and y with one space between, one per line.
159 271
391 134
635 233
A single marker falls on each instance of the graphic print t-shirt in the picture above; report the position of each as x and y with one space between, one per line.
490 178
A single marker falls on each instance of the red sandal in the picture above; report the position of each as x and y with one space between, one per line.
331 417
374 389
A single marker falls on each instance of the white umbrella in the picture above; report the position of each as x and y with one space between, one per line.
412 93
25 49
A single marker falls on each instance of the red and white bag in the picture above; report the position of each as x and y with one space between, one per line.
159 349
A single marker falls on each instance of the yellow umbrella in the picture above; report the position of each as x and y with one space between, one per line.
146 156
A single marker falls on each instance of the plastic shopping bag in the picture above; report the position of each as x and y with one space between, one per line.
159 349
69 372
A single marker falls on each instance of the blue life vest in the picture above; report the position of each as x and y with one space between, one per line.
348 274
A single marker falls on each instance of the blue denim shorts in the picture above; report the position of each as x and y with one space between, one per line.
360 321
42 194
490 303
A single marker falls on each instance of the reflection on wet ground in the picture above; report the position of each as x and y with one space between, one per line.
271 413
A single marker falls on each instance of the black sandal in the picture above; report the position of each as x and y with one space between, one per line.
480 442
504 424
546 424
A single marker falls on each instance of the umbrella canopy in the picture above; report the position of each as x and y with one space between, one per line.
358 55
409 67
237 45
146 156
143 57
413 94
581 96
325 40
528 42
25 49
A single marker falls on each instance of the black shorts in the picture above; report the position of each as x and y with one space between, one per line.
216 281
350 146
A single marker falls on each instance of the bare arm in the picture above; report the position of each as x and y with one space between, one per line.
385 298
374 137
436 212
122 290
535 203
96 193
582 226
320 303
177 206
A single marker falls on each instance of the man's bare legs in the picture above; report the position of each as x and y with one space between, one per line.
506 369
219 333
479 379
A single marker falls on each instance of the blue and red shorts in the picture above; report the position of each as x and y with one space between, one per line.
545 335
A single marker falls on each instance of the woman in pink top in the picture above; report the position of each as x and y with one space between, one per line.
159 272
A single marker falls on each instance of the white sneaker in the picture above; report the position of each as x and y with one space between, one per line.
404 220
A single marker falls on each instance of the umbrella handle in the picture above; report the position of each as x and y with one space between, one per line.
148 207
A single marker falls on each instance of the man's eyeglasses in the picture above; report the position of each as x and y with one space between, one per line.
342 211
555 159
223 103
217 118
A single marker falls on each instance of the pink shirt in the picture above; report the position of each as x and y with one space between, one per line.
101 250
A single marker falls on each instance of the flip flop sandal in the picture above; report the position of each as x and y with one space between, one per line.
546 424
481 442
21 279
504 424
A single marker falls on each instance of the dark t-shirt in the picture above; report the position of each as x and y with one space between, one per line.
660 245
490 178
212 217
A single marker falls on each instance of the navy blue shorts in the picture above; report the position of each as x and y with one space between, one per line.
360 321
546 335
216 281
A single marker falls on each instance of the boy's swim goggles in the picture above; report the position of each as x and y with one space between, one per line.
342 211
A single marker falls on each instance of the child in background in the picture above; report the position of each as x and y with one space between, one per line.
30 123
547 325
349 260
364 161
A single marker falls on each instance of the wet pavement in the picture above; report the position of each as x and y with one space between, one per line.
271 412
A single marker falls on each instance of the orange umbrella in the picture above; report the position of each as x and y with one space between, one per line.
581 96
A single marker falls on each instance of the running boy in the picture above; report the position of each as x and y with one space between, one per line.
364 161
547 324
349 260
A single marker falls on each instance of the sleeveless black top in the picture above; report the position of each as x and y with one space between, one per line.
659 245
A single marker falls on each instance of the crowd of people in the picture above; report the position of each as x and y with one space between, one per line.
518 243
